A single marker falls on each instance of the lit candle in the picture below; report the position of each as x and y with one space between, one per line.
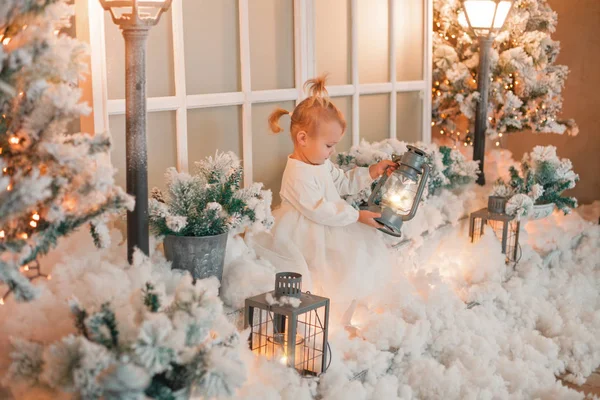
277 349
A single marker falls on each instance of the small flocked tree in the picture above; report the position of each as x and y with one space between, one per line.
526 84
51 181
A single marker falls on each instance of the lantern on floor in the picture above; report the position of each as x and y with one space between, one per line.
397 196
505 226
289 326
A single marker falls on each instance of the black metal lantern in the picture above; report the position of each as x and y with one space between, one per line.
398 195
506 227
291 333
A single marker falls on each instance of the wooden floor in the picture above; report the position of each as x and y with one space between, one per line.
591 386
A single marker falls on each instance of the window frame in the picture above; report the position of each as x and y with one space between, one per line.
304 68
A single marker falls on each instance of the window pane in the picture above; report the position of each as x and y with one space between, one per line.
211 42
374 117
409 40
269 151
333 42
160 79
212 129
373 41
271 44
161 141
409 113
345 106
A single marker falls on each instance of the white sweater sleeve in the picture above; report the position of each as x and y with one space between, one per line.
306 196
350 182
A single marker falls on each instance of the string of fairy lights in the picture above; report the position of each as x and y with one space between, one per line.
13 145
31 271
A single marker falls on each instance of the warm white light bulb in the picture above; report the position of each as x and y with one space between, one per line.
485 14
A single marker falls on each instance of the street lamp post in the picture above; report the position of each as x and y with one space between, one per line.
135 18
485 19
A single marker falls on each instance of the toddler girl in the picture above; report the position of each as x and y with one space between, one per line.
343 260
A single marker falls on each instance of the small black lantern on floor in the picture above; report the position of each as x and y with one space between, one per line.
398 195
506 227
290 326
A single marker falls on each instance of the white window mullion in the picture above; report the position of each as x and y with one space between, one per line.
426 92
244 21
300 48
304 44
394 95
375 88
180 86
341 90
355 83
410 86
153 104
311 53
98 65
214 100
269 96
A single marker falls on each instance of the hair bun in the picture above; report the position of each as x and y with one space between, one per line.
316 89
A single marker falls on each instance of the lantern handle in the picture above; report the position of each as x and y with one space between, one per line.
420 190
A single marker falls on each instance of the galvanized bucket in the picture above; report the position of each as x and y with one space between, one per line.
202 256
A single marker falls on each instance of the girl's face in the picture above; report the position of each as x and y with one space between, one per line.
318 147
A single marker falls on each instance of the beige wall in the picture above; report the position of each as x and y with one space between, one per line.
578 33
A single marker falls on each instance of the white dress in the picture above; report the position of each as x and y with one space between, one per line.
316 233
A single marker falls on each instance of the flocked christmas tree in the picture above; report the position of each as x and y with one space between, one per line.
52 181
526 84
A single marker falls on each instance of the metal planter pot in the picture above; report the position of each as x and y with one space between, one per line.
541 211
202 256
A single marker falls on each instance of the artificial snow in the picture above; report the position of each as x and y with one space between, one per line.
454 322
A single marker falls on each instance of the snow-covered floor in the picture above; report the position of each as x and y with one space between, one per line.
417 339
528 324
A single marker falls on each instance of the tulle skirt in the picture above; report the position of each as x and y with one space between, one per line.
342 263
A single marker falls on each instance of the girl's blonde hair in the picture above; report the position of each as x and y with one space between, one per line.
306 116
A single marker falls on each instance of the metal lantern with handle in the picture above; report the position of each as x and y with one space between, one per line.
506 227
290 326
397 196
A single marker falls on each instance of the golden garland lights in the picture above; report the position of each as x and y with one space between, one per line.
447 116
32 270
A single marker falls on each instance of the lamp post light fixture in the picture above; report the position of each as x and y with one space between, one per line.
135 18
485 18
397 196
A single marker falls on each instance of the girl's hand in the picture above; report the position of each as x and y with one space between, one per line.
376 170
367 218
